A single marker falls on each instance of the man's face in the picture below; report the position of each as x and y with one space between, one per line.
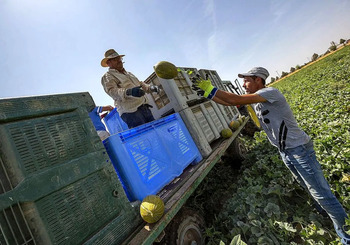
116 63
251 84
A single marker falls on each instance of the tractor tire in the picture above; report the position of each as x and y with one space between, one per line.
235 153
186 228
250 128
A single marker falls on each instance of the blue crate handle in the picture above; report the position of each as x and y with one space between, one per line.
145 127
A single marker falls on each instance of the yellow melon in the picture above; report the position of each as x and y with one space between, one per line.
234 124
226 133
152 208
165 70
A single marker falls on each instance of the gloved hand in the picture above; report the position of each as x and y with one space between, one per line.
154 89
203 87
136 91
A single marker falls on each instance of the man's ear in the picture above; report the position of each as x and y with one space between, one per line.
260 80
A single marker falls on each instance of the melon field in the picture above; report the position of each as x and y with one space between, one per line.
259 202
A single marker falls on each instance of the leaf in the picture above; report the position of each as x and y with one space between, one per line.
257 231
272 209
345 178
265 240
237 241
256 223
321 232
275 190
286 226
244 227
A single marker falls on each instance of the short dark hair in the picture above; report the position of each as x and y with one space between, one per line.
262 79
255 77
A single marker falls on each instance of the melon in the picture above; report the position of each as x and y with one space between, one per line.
241 119
165 70
152 208
234 124
226 133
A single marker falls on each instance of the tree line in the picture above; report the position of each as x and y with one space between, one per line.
314 57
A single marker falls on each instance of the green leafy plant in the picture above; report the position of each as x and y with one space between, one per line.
261 203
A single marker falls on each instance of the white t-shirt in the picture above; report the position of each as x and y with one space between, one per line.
277 120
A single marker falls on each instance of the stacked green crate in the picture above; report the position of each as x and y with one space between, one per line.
57 185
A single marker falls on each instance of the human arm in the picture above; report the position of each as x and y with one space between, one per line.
107 108
100 109
112 87
223 97
120 91
227 98
149 88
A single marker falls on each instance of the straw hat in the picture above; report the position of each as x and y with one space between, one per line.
110 54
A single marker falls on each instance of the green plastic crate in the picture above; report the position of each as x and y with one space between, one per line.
57 183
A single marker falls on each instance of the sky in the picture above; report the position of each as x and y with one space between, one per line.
56 46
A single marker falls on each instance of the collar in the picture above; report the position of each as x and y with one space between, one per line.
115 70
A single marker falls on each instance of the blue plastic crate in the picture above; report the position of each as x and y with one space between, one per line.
114 123
149 156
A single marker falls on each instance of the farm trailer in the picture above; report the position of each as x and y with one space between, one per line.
58 185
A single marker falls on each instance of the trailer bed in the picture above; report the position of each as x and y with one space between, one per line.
176 193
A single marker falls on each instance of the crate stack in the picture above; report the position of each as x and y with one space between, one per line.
203 118
56 178
233 87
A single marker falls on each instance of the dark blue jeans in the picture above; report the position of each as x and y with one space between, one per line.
141 116
302 162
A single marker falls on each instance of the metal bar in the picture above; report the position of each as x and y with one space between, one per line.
239 87
3 233
27 226
7 177
13 212
10 227
17 223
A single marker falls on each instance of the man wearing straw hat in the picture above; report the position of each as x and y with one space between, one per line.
126 90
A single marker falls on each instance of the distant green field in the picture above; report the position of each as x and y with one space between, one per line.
267 206
320 99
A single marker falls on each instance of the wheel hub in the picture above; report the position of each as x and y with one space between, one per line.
191 236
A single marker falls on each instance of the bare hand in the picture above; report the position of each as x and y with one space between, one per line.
107 108
144 86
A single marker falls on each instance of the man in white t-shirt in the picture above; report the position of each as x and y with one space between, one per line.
294 145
